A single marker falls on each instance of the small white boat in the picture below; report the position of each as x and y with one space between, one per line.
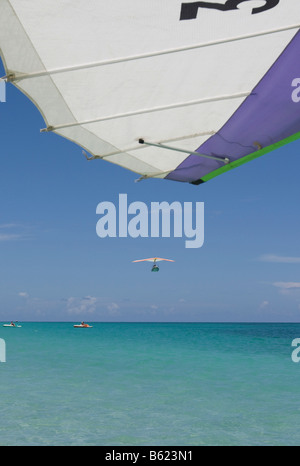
13 326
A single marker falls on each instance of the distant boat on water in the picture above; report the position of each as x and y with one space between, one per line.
13 325
83 325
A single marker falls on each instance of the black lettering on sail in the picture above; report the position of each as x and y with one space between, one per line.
190 10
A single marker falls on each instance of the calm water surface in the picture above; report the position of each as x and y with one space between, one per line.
150 384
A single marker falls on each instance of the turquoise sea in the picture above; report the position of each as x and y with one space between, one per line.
149 384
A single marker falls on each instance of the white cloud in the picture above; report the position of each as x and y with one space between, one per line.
287 288
287 285
23 294
10 237
264 304
113 306
18 232
83 305
8 225
279 259
113 309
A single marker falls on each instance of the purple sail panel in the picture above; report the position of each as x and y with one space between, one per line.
271 113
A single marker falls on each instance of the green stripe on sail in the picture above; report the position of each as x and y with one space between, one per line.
253 156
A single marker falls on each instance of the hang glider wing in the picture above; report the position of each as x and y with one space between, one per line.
177 90
154 259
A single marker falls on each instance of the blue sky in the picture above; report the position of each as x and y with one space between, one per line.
54 266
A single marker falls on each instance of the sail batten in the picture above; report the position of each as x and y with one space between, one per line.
13 77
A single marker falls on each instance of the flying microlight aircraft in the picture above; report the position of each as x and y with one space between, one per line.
155 267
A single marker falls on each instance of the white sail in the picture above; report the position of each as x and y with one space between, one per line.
109 75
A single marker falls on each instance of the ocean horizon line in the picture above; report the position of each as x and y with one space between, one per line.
148 322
